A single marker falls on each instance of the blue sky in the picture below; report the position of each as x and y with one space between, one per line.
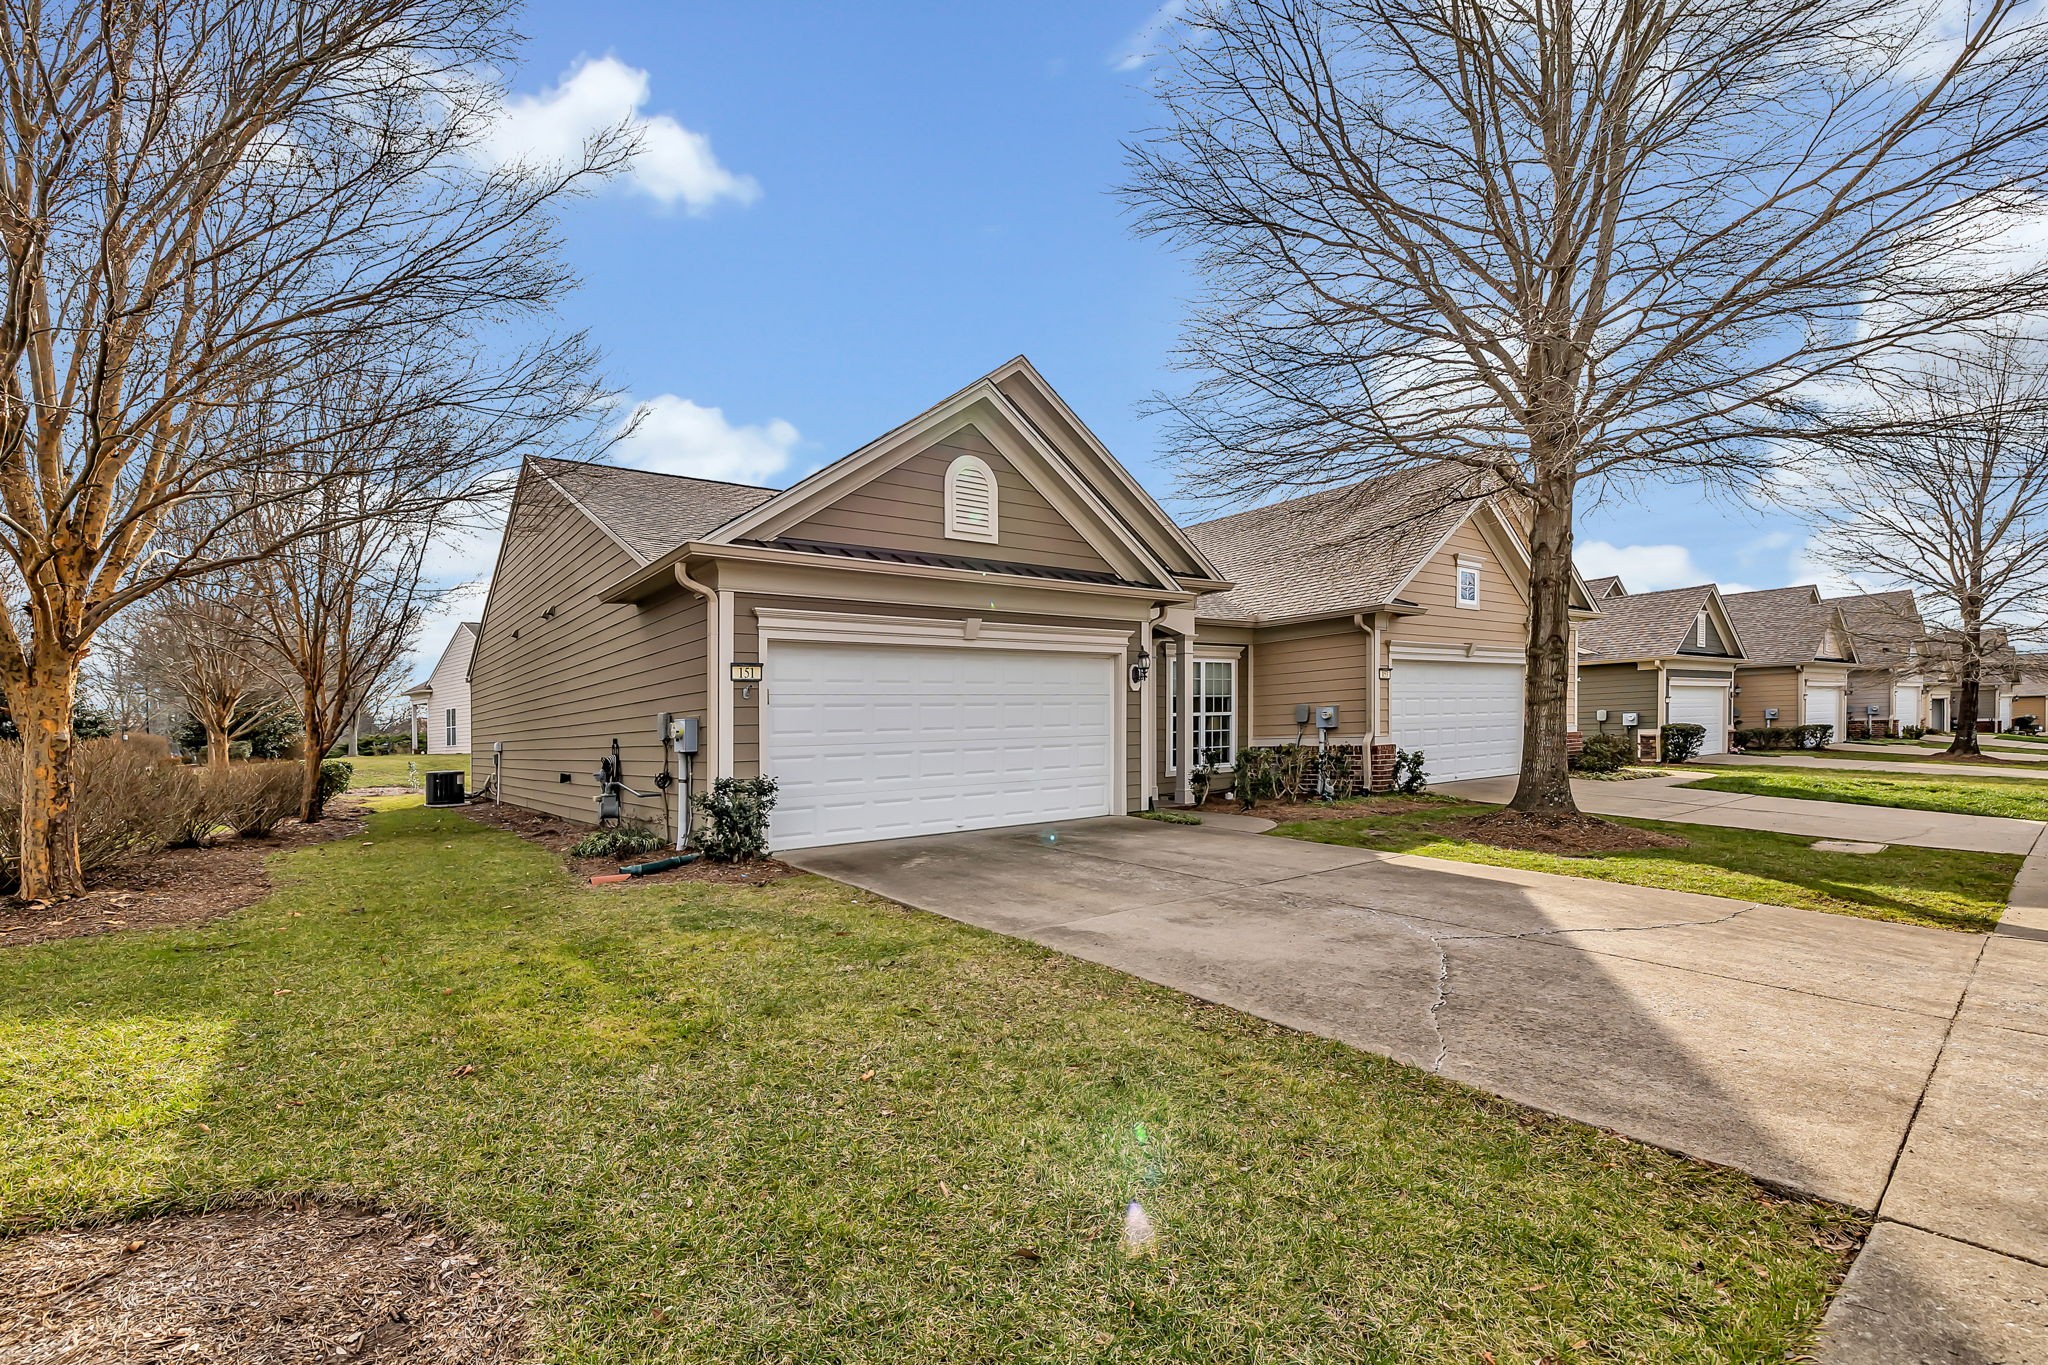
848 211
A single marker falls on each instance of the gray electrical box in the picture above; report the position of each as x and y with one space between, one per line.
1600 716
678 731
1630 718
1770 713
1303 713
1326 718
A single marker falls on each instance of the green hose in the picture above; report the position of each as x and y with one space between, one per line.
659 864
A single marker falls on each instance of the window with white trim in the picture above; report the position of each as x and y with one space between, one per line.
1215 712
1468 585
451 727
970 499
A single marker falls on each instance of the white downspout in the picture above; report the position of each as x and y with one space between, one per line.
712 721
1372 688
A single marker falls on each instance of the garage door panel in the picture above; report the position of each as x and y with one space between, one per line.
1706 707
1466 718
875 741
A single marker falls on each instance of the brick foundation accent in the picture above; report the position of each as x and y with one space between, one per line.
1382 775
1646 745
1573 742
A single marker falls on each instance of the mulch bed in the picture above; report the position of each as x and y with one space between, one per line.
1572 836
180 886
1287 812
280 1286
556 835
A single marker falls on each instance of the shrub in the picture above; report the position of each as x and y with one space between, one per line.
618 842
1256 777
1682 743
1816 736
1409 778
252 799
1759 737
1604 754
2026 725
335 776
733 818
1917 731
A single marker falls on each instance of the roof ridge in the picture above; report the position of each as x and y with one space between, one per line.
652 473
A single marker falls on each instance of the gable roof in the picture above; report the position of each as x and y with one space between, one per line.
1788 625
1885 626
1337 550
658 518
1601 589
1652 625
649 514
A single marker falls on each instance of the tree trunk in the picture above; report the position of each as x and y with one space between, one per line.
50 867
216 748
1545 785
312 806
1968 694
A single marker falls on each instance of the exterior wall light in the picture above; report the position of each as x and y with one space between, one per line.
1386 673
1141 668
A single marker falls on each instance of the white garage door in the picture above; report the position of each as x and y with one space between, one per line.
1466 718
1706 707
884 741
1823 706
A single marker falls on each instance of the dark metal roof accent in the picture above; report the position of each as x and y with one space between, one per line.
924 560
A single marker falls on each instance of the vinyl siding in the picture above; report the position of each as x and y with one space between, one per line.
1872 687
450 684
903 508
746 646
1616 688
1764 688
1500 620
1322 665
2034 705
559 694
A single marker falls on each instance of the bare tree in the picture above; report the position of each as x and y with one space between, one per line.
1952 503
195 640
1574 244
209 208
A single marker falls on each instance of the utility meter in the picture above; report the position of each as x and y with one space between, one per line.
1326 718
679 732
1630 719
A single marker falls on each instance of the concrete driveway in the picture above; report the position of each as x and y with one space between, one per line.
1797 1045
1669 798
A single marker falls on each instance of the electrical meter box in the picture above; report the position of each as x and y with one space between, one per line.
1600 716
1630 719
1326 718
678 732
1770 713
1303 713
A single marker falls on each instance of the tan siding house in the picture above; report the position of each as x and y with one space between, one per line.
1799 657
954 627
1658 658
1386 616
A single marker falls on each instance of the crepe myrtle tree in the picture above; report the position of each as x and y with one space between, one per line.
193 641
206 208
1573 247
1942 488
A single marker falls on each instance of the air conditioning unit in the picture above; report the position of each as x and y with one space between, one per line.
444 788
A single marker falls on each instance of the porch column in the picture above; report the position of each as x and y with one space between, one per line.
1181 621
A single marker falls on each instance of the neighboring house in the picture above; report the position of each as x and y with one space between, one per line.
1887 688
954 627
441 703
1404 609
1658 658
1798 657
2030 691
1998 679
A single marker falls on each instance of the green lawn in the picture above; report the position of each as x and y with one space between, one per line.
1913 754
718 1124
390 770
1963 793
1931 886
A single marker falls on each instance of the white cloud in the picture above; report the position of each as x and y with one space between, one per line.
1144 44
673 164
438 627
673 435
1642 568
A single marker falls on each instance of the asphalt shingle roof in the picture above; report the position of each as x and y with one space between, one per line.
1781 625
1645 625
1341 549
1883 625
650 514
1598 588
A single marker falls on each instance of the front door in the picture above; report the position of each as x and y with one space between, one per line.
1937 713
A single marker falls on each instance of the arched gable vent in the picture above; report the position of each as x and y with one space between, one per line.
970 499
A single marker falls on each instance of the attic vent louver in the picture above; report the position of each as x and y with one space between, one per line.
970 499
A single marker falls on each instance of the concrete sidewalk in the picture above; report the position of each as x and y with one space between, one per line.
1668 798
1885 1066
1823 760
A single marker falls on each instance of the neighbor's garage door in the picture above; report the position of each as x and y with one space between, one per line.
1466 718
1824 707
883 741
1706 707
